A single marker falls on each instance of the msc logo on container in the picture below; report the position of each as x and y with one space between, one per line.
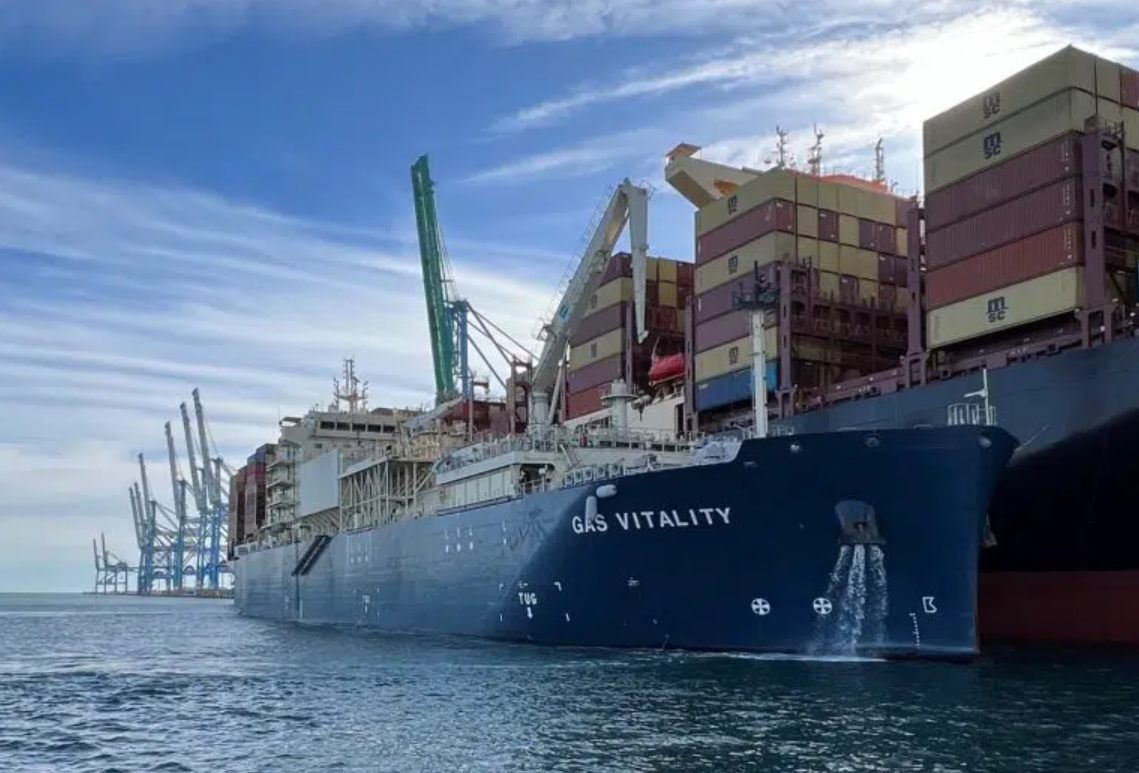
997 309
991 145
991 104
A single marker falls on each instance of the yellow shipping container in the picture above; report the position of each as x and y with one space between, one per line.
1046 120
1036 299
848 230
807 189
733 355
589 352
666 294
902 237
809 250
766 249
1131 127
828 195
848 200
1066 69
828 284
828 256
610 293
772 184
666 270
807 221
877 207
860 263
651 268
1107 79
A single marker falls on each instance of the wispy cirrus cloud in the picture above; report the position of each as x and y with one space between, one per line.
859 71
117 298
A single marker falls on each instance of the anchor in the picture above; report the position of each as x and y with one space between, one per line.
858 522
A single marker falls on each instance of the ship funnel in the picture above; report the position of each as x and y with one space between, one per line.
858 522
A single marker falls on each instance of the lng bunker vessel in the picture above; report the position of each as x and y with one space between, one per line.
1006 298
616 536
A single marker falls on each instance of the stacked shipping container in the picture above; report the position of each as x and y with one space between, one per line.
236 533
1004 198
850 236
253 516
599 346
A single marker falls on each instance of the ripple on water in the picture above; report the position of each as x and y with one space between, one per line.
92 685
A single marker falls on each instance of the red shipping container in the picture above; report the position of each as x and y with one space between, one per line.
685 275
663 319
1032 169
1037 211
718 300
726 327
652 293
886 240
600 372
683 297
599 323
620 264
775 215
887 296
1129 87
867 234
828 225
1018 261
585 401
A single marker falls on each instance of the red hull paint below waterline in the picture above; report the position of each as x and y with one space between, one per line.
1074 608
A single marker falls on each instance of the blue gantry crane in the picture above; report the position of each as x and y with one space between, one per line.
174 544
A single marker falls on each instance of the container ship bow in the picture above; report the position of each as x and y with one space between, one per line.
617 530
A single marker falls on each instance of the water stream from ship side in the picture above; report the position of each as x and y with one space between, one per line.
98 685
858 598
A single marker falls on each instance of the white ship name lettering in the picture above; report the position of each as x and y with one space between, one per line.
643 520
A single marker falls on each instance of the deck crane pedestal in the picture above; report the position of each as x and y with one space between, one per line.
628 204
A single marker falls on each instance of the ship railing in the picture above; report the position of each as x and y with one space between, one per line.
966 414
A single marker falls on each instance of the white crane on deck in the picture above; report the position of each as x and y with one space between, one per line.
628 204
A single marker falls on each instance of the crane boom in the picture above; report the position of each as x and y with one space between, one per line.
195 480
629 204
435 280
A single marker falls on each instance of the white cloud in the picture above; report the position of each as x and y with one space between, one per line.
119 297
861 71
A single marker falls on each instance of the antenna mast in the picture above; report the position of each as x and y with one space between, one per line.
353 391
815 157
781 148
879 162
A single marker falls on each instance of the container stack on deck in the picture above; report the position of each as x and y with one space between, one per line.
839 241
255 491
1005 224
236 511
603 346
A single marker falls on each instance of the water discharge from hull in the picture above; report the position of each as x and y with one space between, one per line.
852 613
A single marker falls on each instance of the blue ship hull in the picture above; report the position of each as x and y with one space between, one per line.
845 542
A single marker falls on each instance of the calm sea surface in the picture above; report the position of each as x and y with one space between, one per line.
126 684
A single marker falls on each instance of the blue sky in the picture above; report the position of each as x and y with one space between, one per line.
215 193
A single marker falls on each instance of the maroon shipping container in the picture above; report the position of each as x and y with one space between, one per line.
887 240
848 288
620 264
1032 169
663 319
726 327
888 296
652 293
683 296
867 234
1129 87
585 401
775 215
598 323
1018 261
901 207
685 275
715 302
892 270
1133 170
828 225
1033 212
600 372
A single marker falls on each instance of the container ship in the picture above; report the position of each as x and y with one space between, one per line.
507 520
1007 297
